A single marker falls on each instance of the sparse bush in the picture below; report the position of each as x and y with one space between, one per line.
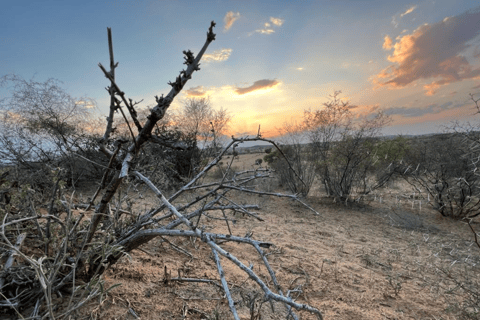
271 157
292 165
443 166
42 128
341 146
205 125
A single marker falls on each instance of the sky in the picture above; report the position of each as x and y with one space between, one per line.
418 61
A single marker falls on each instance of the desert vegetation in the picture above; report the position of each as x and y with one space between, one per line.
77 203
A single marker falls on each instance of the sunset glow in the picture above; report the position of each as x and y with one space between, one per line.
418 61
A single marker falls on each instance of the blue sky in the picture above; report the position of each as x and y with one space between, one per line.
271 60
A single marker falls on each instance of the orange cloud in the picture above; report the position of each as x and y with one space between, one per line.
229 19
387 44
257 85
217 55
433 51
431 88
196 92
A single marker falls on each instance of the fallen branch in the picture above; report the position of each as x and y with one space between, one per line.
11 257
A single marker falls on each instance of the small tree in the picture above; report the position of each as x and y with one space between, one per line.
203 124
43 127
340 145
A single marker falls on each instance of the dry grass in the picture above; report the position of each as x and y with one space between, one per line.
380 260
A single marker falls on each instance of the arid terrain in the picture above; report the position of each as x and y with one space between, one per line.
390 257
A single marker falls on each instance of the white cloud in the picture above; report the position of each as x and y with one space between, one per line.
409 10
229 19
277 21
217 55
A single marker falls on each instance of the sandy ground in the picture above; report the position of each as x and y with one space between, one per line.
380 260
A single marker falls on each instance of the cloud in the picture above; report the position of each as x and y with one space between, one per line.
277 21
229 19
265 31
346 65
267 26
394 22
418 112
476 52
198 91
409 10
257 85
217 55
387 43
431 88
88 103
433 51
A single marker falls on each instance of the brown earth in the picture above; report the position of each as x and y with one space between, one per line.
382 259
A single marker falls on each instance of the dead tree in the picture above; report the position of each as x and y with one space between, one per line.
84 250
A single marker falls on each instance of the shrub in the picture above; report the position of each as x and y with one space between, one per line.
444 166
341 146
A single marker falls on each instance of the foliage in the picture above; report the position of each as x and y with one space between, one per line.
270 157
443 166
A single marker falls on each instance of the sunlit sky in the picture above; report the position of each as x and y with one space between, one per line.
271 60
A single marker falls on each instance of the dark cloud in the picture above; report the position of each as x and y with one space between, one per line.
260 84
418 112
433 51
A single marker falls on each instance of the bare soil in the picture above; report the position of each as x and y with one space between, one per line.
382 259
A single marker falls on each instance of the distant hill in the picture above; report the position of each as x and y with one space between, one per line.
262 148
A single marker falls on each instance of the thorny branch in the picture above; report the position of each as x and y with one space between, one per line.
82 251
